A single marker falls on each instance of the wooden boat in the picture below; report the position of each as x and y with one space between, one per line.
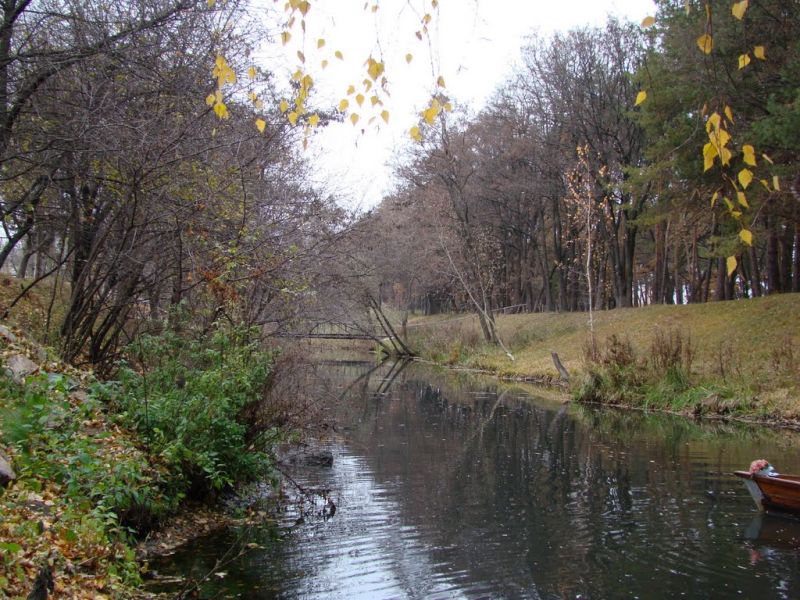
772 491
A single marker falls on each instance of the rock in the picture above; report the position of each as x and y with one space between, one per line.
41 355
319 458
7 474
304 455
20 367
5 333
80 396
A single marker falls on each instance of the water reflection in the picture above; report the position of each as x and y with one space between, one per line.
451 487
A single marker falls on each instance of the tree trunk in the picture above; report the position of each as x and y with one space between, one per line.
773 272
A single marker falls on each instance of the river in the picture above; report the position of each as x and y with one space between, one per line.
458 487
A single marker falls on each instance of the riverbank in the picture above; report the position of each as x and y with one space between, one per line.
75 476
738 358
89 467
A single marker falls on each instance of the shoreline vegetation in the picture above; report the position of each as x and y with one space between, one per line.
736 359
100 475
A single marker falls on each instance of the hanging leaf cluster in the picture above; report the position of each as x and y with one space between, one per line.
736 168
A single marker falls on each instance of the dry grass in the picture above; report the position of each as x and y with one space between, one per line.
752 341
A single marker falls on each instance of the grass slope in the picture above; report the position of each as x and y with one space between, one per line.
747 350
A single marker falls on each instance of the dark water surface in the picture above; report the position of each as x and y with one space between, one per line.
456 488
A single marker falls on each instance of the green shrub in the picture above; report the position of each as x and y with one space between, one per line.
189 400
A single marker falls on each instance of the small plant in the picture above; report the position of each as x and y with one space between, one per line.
783 356
618 353
672 350
726 363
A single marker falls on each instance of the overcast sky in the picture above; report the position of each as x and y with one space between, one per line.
474 45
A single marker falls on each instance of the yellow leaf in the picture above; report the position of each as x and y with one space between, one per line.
301 56
351 90
354 118
440 81
719 138
749 155
251 72
304 6
292 116
285 37
261 124
448 107
746 236
640 97
758 52
714 199
222 71
738 9
338 54
713 122
729 113
767 158
728 203
320 43
409 58
744 60
343 104
725 156
732 263
374 68
648 22
745 177
776 183
429 115
221 110
313 120
360 99
210 99
324 64
211 3
709 154
415 134
284 106
375 100
706 43
740 196
385 116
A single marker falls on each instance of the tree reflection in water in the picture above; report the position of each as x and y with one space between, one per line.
461 487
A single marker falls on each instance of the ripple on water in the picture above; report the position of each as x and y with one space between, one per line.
444 493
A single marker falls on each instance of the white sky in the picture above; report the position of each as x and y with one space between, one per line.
473 45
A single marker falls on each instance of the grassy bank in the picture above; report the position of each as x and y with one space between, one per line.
739 358
99 464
